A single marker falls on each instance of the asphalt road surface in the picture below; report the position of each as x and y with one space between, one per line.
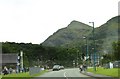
64 73
72 73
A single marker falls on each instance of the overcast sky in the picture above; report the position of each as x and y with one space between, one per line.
35 20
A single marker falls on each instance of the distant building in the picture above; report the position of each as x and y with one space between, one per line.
8 60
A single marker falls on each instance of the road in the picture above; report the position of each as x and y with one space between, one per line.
72 73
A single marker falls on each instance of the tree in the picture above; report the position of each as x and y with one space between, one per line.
116 50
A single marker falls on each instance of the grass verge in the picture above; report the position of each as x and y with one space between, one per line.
109 72
22 75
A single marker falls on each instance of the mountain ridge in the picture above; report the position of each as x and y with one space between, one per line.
69 33
73 34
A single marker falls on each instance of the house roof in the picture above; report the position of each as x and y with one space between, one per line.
8 58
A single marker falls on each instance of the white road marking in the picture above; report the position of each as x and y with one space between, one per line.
65 75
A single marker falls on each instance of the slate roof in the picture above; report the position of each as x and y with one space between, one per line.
8 58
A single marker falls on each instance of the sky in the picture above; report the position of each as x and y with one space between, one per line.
33 21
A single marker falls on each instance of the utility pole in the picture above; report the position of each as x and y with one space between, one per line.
77 58
94 45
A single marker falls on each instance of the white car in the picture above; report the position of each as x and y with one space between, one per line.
56 67
61 67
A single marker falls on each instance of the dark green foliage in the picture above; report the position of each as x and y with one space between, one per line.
107 58
116 52
35 54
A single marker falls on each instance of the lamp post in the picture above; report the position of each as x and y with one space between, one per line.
86 49
94 44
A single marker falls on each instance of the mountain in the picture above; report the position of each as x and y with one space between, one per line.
72 34
109 29
108 33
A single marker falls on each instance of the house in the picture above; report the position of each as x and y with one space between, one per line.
9 60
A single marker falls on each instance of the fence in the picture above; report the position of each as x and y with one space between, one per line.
35 70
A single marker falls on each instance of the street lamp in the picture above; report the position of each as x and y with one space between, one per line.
94 44
86 48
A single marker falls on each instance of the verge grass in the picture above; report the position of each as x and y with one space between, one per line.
22 75
114 72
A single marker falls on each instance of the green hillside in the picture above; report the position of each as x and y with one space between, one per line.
108 33
72 35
